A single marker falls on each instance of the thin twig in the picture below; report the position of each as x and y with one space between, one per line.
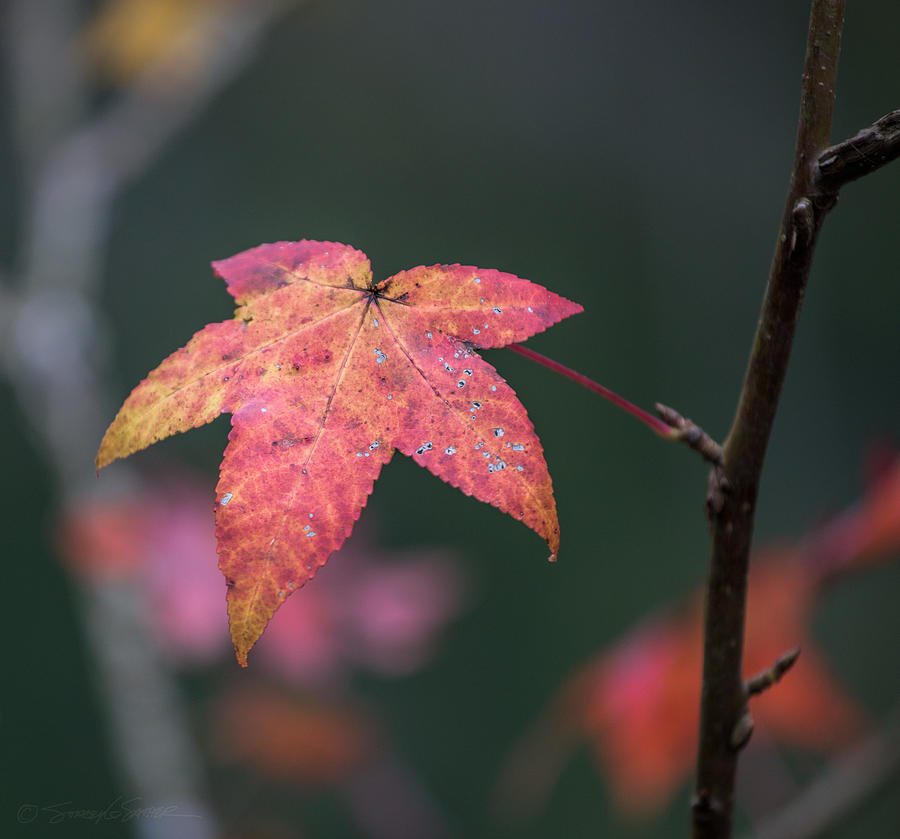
764 680
691 434
869 150
734 486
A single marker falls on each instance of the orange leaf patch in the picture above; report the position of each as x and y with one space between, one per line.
292 738
325 373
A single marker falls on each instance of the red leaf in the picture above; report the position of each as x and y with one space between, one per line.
639 702
638 705
808 707
325 373
865 534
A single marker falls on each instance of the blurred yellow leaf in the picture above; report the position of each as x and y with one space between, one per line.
127 35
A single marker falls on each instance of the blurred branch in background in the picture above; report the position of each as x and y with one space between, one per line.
74 160
299 724
843 785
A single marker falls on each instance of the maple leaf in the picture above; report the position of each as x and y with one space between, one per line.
325 373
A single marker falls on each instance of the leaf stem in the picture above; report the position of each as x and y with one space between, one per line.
670 425
655 424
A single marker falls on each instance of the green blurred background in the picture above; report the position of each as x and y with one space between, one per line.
630 156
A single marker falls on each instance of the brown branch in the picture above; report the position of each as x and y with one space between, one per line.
870 149
734 485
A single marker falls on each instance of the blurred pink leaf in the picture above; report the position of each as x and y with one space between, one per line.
377 609
380 611
164 539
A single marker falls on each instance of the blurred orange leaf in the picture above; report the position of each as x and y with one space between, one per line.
103 538
292 738
866 533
